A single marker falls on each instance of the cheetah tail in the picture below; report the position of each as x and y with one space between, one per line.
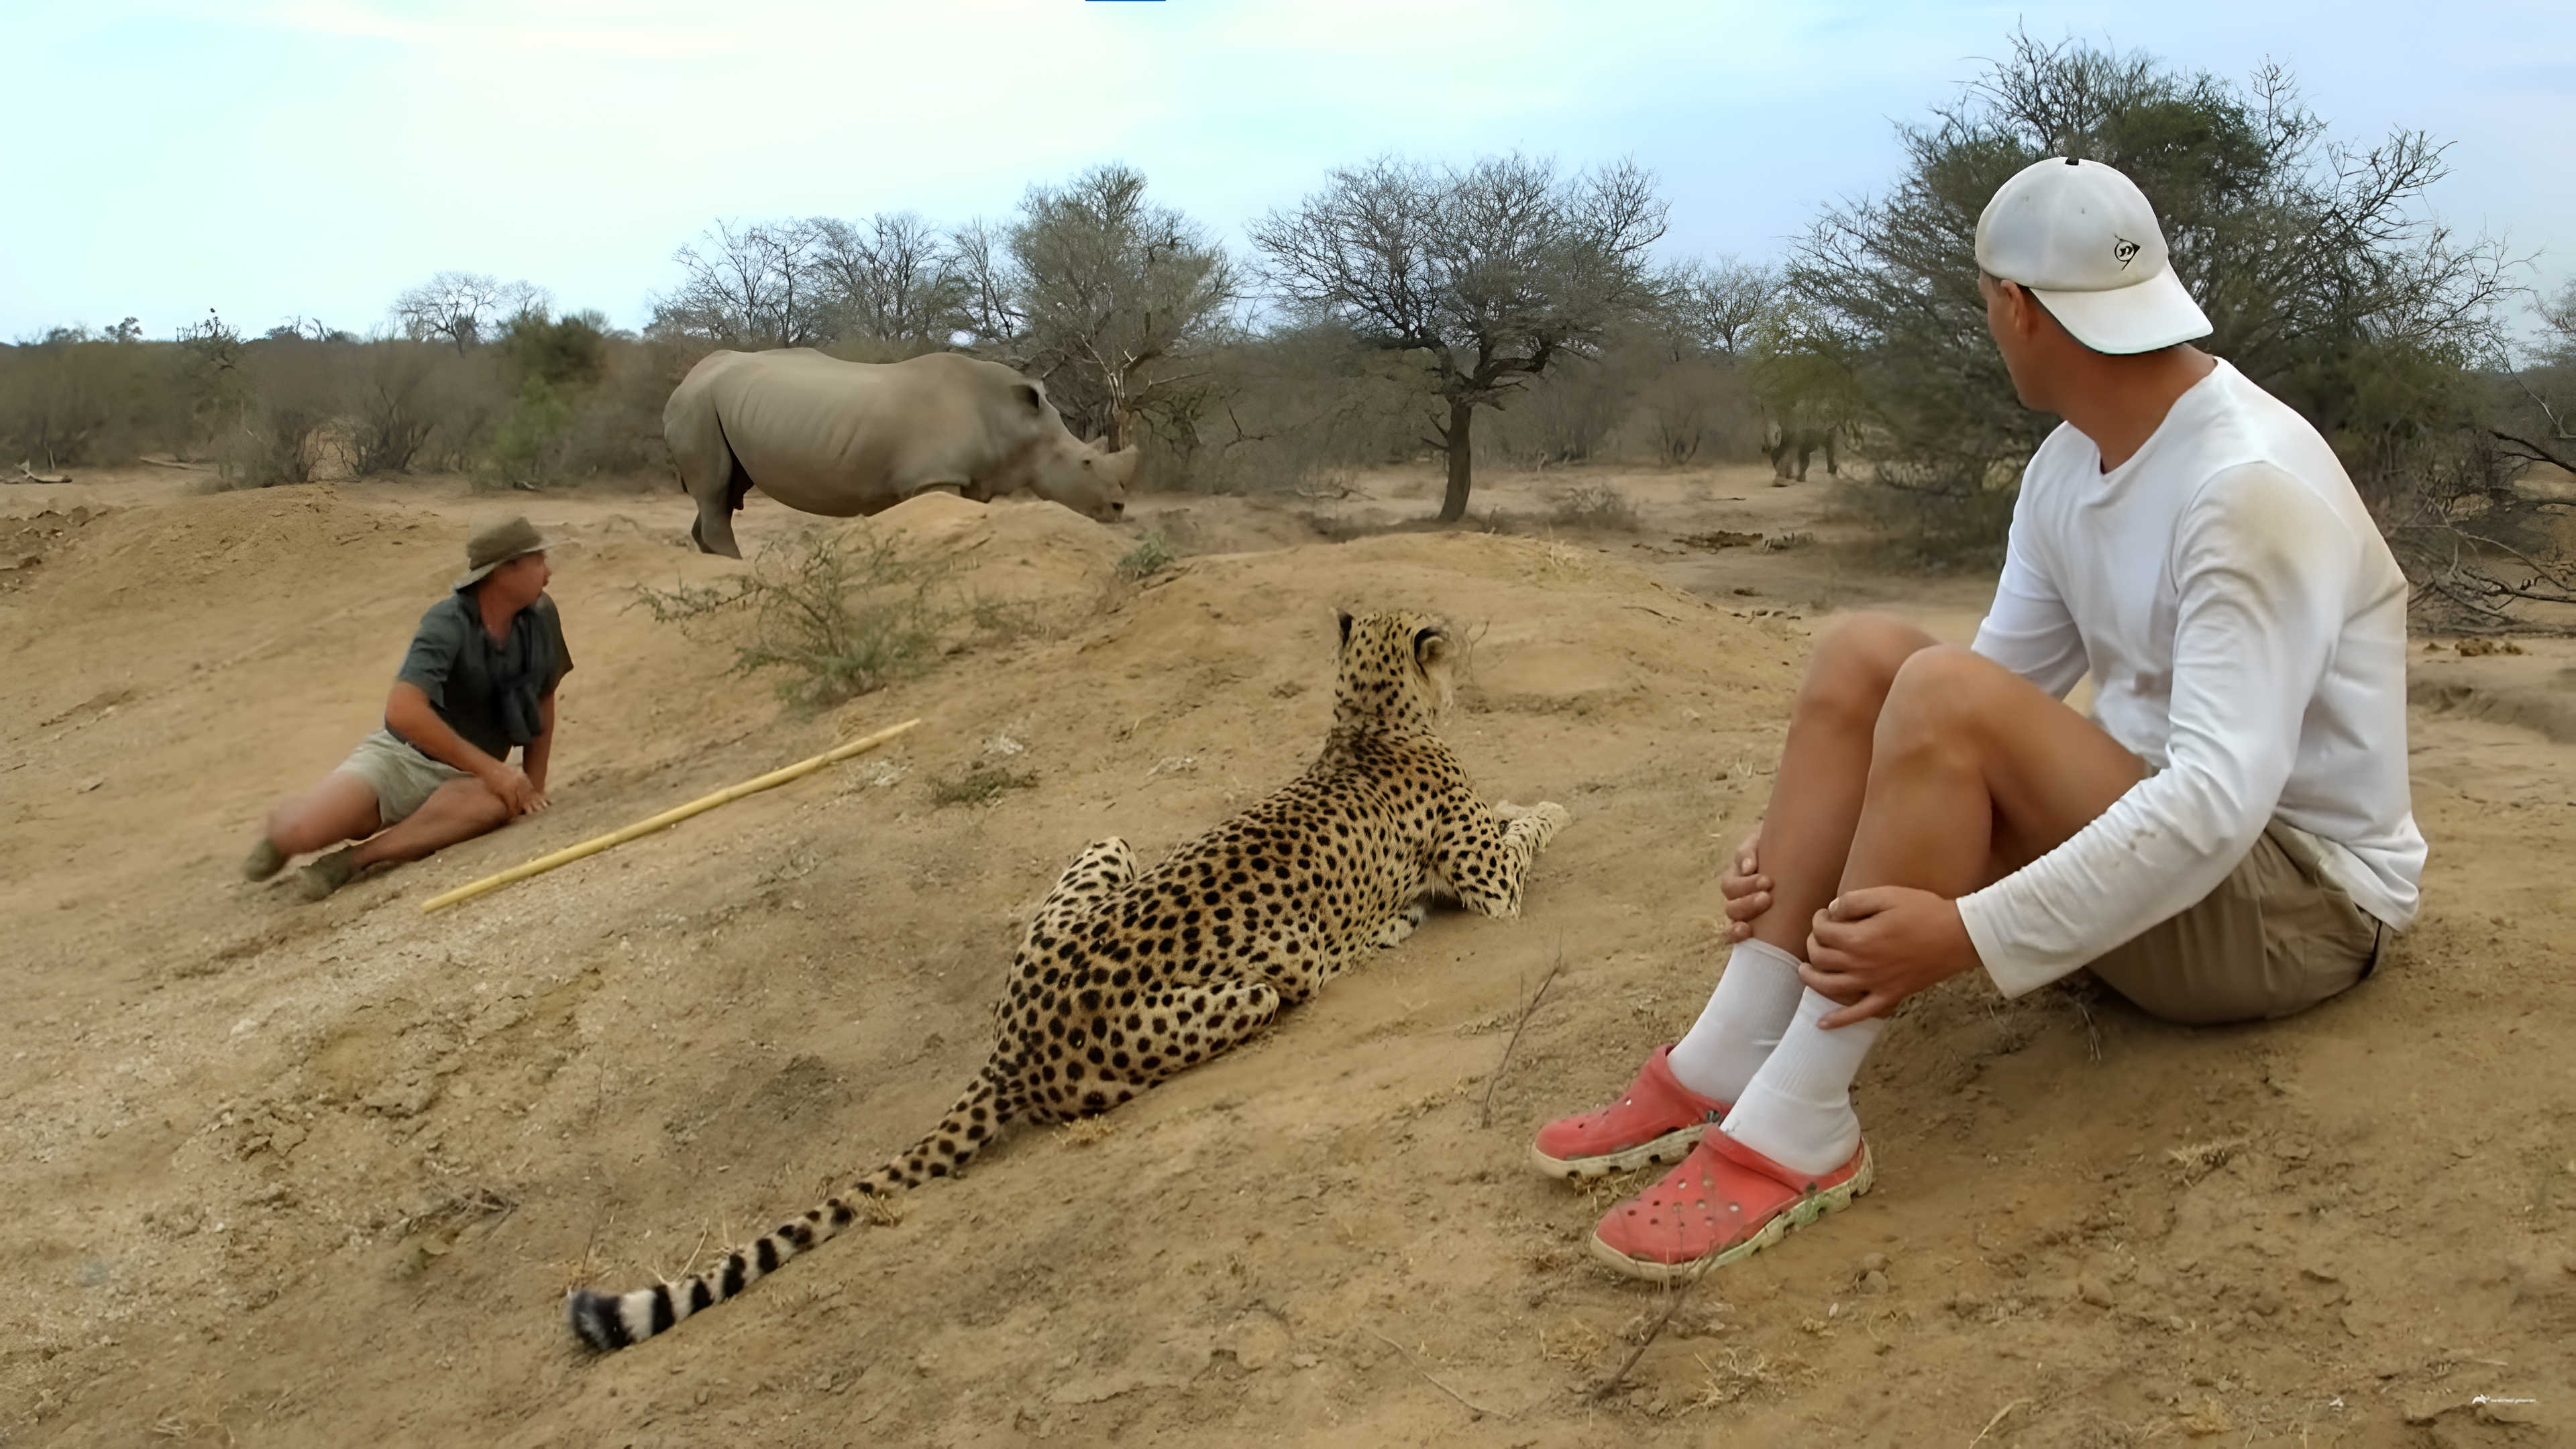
608 1321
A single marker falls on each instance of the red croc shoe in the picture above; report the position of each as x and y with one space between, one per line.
1726 1201
1656 1120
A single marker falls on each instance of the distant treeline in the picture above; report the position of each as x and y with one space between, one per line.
1507 312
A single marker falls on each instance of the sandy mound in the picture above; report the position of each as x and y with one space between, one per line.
318 1175
1012 549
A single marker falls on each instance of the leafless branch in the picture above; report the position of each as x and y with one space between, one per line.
1485 1113
1472 1406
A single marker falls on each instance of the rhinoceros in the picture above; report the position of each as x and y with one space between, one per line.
847 438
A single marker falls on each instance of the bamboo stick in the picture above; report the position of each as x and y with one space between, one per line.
595 845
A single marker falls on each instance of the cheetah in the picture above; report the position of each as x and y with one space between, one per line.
1124 979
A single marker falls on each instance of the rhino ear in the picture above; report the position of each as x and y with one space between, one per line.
1036 398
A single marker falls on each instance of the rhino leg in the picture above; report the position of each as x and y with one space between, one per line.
712 530
709 472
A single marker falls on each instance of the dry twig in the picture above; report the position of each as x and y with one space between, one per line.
1672 1301
1485 1113
1997 1419
1472 1406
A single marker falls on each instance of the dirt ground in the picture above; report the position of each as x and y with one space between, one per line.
290 1174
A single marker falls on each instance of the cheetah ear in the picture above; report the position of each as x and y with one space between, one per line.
1430 646
1343 617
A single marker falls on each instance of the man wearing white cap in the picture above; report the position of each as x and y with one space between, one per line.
478 679
2228 837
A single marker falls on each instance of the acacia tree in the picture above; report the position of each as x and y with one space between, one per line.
1487 277
463 307
891 278
1117 303
752 286
2538 422
2321 272
1712 307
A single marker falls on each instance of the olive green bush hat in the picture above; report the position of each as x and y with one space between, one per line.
495 542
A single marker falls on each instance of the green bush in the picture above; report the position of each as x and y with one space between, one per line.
840 611
1152 554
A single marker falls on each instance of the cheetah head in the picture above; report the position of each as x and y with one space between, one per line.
1396 668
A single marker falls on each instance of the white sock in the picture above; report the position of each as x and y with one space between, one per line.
1754 1000
1797 1110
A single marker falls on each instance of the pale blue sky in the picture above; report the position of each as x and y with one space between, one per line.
274 158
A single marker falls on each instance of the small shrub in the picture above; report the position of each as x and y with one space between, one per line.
840 610
1152 554
286 444
1781 542
523 447
980 783
1007 620
1593 505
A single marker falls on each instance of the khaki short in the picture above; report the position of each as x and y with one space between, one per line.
402 777
2271 940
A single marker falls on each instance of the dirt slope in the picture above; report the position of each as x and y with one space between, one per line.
288 1174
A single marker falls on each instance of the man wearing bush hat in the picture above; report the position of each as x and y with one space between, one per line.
2227 837
478 680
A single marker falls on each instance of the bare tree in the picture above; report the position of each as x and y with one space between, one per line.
753 286
890 278
2558 314
1114 301
981 253
2539 422
1714 305
463 307
1489 275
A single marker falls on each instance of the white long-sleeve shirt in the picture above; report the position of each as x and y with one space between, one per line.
2245 627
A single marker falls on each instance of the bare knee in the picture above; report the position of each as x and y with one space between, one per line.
1855 665
1940 696
486 810
340 807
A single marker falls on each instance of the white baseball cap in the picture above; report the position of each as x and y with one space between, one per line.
2082 238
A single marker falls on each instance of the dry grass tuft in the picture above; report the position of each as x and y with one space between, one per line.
1742 1372
2197 1160
1086 1131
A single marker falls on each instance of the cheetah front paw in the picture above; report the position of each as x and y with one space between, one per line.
1404 923
1538 822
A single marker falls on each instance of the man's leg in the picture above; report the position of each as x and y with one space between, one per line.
1966 772
1815 808
1973 772
457 810
342 807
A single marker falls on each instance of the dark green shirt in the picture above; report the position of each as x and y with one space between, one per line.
487 692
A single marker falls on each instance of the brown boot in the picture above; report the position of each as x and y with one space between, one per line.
264 860
327 874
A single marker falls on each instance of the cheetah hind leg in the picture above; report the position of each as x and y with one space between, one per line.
1223 1015
1103 866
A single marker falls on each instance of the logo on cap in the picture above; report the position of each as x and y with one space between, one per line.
2124 249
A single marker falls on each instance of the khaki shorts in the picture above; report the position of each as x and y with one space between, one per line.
2271 940
401 776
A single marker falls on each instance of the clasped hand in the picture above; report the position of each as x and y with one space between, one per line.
1868 949
523 795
